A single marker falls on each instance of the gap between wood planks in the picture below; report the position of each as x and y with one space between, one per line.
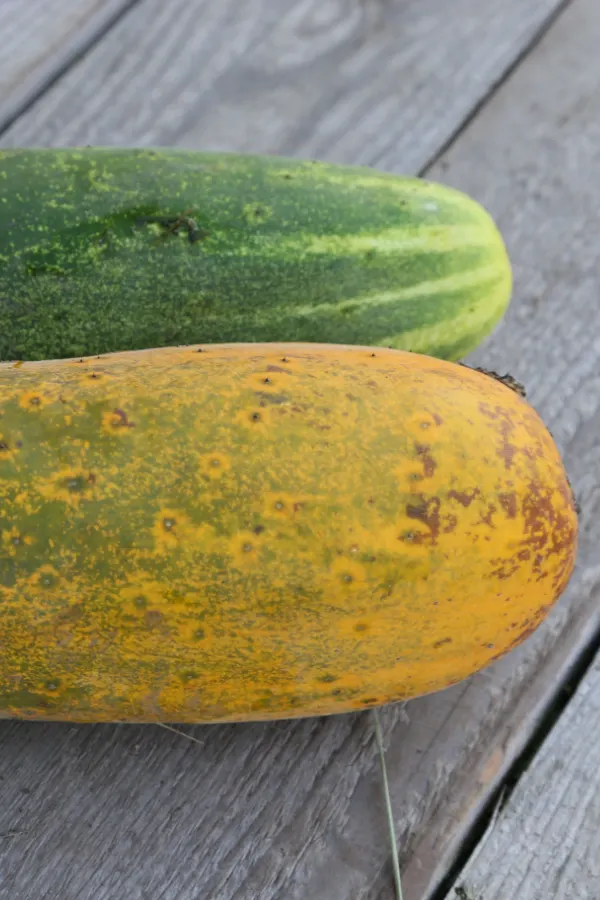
495 86
83 43
499 797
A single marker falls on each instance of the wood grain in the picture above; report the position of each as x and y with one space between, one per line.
294 809
380 82
40 38
539 138
546 840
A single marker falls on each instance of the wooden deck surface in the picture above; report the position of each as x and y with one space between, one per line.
545 841
500 99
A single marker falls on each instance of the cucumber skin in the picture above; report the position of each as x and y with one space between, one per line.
266 531
103 250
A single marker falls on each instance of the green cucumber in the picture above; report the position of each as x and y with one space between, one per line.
105 249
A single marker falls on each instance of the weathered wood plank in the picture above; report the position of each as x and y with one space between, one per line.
294 809
378 82
40 38
546 840
530 157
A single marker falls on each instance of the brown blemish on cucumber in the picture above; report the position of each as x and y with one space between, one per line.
441 642
423 451
465 498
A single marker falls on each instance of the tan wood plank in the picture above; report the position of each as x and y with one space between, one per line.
546 840
40 38
294 809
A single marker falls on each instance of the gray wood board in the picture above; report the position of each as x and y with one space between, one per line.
546 841
531 157
380 82
40 38
294 809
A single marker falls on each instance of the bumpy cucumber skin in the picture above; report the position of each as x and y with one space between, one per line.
266 531
104 250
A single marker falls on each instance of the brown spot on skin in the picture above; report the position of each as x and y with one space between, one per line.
275 399
486 518
507 450
437 418
528 626
122 420
450 523
153 618
508 502
297 506
428 512
361 626
3 447
543 522
442 642
429 463
505 568
258 529
465 498
539 515
327 679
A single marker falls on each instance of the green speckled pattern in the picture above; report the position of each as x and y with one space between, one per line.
118 249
